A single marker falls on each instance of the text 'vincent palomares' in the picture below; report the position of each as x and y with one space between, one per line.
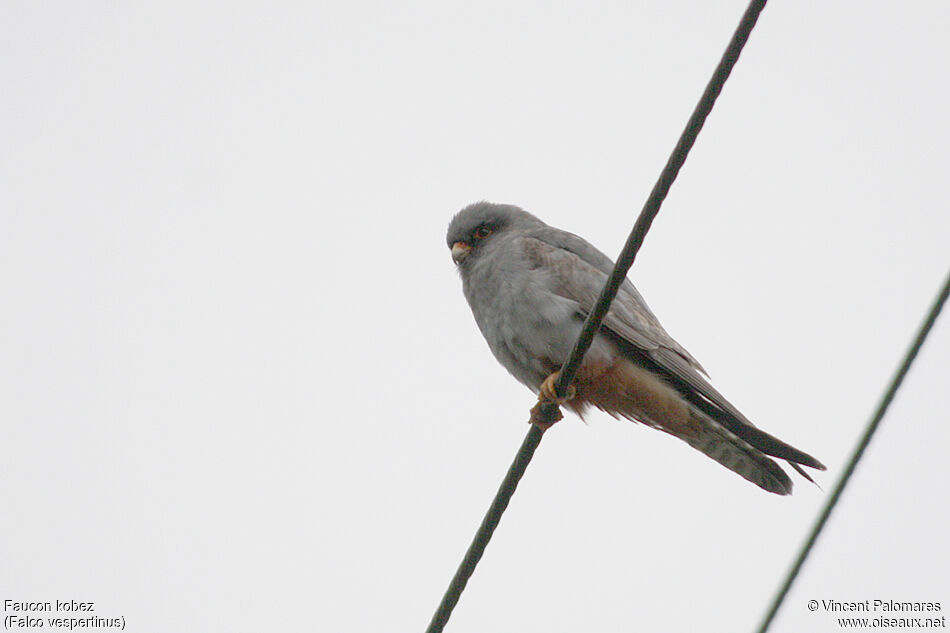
883 606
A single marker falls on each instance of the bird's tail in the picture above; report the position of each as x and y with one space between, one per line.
626 389
736 454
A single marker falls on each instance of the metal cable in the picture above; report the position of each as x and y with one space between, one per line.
486 529
549 411
652 205
882 407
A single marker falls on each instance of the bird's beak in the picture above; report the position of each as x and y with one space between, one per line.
460 251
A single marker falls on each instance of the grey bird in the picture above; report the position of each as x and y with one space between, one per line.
530 287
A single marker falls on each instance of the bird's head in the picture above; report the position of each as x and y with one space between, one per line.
481 223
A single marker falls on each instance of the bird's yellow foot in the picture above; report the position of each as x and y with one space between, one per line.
540 416
549 394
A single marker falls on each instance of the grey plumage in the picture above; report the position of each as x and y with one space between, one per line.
530 286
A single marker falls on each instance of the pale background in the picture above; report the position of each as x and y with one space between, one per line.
241 389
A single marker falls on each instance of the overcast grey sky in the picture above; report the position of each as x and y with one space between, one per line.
241 389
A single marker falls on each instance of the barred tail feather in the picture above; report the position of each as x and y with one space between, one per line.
722 445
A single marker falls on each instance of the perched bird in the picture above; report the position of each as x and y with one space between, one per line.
530 287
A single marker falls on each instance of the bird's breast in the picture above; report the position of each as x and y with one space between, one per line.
528 327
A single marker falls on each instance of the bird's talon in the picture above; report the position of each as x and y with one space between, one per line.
543 415
549 393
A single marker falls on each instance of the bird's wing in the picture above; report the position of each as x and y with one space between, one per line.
581 271
579 275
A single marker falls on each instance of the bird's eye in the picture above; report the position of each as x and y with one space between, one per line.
482 232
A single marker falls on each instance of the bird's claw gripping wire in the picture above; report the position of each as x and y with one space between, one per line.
544 416
549 390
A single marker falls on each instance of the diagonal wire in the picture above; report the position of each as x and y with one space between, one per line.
882 407
652 206
486 529
592 324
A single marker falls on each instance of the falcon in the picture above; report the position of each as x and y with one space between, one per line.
530 287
